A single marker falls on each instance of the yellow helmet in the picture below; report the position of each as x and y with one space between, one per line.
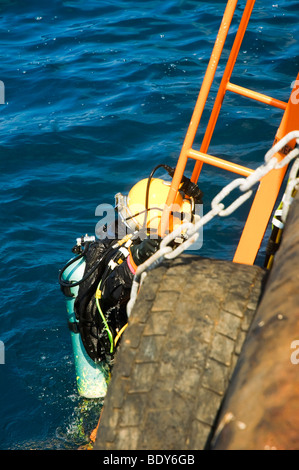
140 210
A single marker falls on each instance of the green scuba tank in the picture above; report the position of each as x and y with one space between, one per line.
92 377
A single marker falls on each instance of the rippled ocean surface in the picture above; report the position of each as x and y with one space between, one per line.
97 93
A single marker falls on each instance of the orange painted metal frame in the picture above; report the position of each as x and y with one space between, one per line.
270 185
268 190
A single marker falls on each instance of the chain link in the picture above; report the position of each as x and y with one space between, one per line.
237 183
281 144
258 174
218 208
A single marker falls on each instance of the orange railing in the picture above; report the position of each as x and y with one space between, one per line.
265 198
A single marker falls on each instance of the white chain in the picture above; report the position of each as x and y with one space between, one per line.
218 208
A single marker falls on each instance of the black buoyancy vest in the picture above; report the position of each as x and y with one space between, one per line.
116 281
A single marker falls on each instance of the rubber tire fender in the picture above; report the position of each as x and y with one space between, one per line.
178 354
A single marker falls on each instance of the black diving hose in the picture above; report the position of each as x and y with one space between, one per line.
64 283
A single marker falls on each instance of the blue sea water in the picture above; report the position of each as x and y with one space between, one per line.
97 93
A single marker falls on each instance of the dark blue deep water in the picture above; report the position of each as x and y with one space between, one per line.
97 93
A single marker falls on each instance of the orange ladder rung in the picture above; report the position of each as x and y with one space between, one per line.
219 162
256 96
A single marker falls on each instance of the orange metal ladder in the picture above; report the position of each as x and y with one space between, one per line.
270 184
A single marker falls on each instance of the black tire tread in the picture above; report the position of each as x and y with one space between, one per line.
178 354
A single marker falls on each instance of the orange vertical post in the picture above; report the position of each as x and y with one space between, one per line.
268 190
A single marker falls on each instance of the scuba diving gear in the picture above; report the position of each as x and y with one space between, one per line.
143 207
67 284
95 297
97 282
189 188
154 201
103 290
91 377
140 253
81 242
98 258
